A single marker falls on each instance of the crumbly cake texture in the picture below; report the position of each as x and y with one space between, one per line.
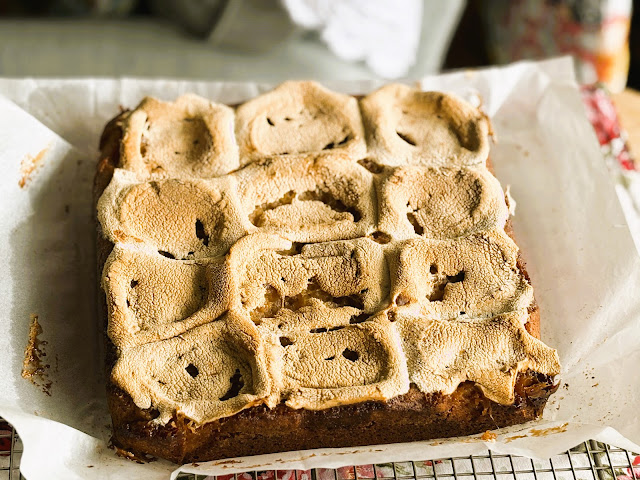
311 252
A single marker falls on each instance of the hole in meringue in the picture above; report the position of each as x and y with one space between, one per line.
380 237
192 370
313 290
236 386
406 138
256 217
271 305
201 234
437 292
419 229
371 166
458 277
351 355
342 142
362 317
259 218
328 199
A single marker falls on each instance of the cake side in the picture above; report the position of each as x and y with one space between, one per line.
434 415
413 416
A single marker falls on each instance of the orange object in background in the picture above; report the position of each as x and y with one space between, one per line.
595 32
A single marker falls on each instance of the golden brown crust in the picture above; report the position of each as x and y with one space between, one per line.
408 126
299 118
433 415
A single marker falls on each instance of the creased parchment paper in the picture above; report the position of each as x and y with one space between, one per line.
581 257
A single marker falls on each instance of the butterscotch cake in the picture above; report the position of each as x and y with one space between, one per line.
310 269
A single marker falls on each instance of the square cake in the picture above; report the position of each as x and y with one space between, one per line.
310 269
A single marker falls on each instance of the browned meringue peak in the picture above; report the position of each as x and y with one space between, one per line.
490 352
440 202
210 372
473 276
268 274
150 297
308 198
190 137
316 316
406 125
354 364
182 218
299 117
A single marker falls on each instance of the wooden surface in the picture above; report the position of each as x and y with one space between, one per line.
628 106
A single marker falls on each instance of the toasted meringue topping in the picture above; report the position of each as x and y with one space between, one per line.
273 256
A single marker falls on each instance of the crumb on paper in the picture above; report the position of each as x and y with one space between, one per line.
280 460
33 367
489 436
515 437
29 164
595 385
469 439
245 467
547 431
226 462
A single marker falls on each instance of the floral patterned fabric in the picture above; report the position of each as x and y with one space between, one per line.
602 115
630 473
595 32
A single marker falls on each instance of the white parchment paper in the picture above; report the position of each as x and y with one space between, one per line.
581 257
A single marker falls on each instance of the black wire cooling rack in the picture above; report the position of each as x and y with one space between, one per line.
587 461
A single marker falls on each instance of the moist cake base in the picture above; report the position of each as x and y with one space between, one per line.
410 417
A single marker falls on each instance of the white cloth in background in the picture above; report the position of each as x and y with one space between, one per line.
384 34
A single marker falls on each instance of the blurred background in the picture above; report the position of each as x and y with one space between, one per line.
273 40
